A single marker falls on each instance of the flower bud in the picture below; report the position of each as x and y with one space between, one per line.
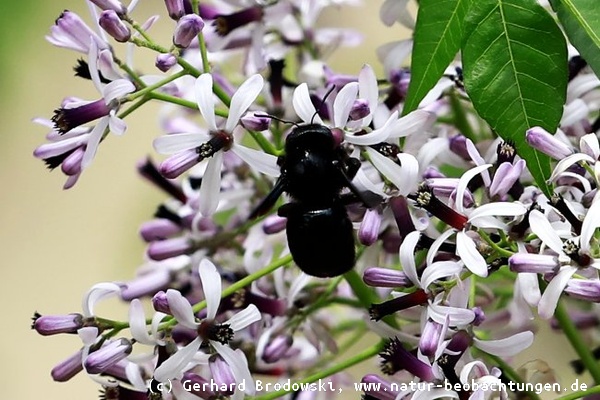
169 248
383 388
253 122
198 386
159 229
547 143
103 358
277 348
360 109
430 337
112 24
113 5
385 277
458 145
161 303
175 8
53 324
68 368
71 165
584 289
274 224
147 284
178 163
369 227
505 177
533 263
222 375
187 29
165 61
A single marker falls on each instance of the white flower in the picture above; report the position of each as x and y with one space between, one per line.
551 238
175 365
191 148
111 93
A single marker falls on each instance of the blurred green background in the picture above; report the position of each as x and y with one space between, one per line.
56 243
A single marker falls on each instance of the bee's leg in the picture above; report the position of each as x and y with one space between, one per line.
269 201
347 173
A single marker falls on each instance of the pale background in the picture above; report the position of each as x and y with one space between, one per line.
56 244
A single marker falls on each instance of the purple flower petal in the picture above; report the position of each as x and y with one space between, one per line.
553 291
478 160
304 106
176 142
369 90
97 292
377 136
542 228
456 316
181 309
205 99
242 99
174 366
464 180
416 121
211 285
211 185
439 270
480 215
116 125
244 318
94 141
407 257
117 89
137 323
506 347
466 249
259 160
343 104
589 225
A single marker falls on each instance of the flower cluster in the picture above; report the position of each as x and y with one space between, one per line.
457 249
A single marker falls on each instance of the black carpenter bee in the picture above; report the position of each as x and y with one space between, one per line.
314 171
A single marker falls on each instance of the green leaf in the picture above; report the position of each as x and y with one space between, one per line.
437 38
515 72
581 20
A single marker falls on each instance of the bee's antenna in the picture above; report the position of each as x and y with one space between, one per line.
322 102
276 119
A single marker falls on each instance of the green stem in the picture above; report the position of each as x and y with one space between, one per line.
173 99
460 117
182 102
157 85
141 31
577 342
357 359
132 74
133 107
580 394
196 7
203 53
498 249
246 281
264 144
201 41
366 295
